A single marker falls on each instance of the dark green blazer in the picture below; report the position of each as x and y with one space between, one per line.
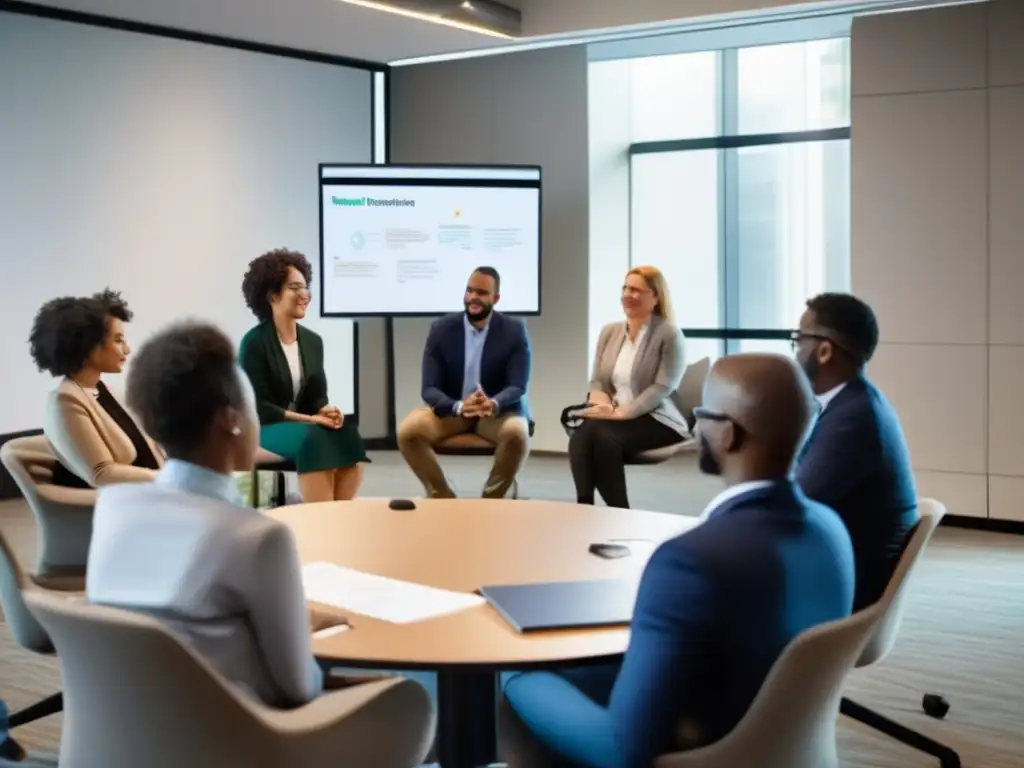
262 358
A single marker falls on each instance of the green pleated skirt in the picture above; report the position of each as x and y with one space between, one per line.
313 448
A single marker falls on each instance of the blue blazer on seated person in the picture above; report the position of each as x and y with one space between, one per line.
715 609
857 462
504 364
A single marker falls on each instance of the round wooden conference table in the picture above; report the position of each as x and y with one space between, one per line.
462 545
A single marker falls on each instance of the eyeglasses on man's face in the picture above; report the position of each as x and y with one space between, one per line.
706 414
799 337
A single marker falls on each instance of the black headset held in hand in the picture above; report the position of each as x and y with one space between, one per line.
571 420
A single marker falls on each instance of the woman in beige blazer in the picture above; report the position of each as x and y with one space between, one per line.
96 440
632 400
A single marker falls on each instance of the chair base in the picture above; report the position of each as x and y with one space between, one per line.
280 486
513 492
934 705
947 757
642 461
32 760
471 444
464 450
467 727
51 705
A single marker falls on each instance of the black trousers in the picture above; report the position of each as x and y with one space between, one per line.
598 451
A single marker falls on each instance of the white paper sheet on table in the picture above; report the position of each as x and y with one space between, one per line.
320 634
400 602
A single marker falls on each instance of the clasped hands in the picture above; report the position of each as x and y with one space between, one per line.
329 416
477 406
600 411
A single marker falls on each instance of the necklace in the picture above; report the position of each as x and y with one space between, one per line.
94 391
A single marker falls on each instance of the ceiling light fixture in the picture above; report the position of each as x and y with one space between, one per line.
691 26
484 17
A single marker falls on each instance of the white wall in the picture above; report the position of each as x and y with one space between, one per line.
528 108
938 240
608 139
160 168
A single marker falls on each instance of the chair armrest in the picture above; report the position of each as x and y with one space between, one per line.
263 456
70 497
35 456
69 583
387 722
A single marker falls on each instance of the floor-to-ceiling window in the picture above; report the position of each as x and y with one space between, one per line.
739 185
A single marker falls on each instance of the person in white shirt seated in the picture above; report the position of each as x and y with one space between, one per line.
632 403
185 548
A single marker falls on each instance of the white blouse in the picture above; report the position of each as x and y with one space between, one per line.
291 354
622 373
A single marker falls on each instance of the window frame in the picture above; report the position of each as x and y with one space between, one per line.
729 333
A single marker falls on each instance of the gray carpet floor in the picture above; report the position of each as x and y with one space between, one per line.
963 633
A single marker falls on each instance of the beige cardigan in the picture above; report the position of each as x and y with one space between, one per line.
89 442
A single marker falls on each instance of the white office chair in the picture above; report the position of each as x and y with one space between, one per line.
790 724
884 639
63 515
794 724
135 695
30 635
688 397
792 720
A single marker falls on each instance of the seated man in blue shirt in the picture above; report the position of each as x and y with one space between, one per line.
476 368
716 605
856 459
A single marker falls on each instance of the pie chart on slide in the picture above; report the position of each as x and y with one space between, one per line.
358 240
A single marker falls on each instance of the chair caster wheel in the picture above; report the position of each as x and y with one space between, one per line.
11 750
935 706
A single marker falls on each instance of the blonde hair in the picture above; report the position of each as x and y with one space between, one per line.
656 282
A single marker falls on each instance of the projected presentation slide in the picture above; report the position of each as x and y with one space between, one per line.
403 240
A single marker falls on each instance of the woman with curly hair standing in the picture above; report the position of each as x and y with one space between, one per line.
285 363
96 440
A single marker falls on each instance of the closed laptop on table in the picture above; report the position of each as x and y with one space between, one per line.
564 604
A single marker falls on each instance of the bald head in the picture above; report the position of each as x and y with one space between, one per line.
768 396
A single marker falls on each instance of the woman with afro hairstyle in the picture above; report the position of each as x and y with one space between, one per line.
285 363
97 442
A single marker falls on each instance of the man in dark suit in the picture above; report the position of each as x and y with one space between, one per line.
476 368
856 460
716 606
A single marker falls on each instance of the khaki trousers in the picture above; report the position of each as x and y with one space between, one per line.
422 429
